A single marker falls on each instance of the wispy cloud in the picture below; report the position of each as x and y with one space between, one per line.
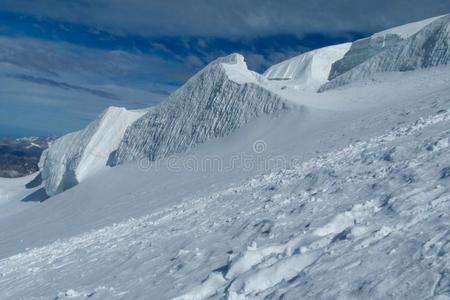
231 18
62 62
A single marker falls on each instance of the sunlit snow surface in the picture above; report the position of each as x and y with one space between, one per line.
308 71
363 214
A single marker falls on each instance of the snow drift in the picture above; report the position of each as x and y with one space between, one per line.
309 70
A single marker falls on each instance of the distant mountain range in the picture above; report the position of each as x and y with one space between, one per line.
20 156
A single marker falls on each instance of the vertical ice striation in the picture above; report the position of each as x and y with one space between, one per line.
219 99
364 49
427 48
76 156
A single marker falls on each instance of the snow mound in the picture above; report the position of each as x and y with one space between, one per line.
430 47
222 97
76 156
309 70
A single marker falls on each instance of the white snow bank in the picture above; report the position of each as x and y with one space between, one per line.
207 289
309 70
268 277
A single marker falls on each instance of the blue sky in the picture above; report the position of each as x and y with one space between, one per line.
140 51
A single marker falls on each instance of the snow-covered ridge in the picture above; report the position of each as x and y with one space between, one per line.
76 156
216 101
429 47
219 99
309 70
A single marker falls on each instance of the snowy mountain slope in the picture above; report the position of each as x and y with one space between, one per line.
364 49
76 156
12 191
310 70
364 214
215 102
219 99
429 47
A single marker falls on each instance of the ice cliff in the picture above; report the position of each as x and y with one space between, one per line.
394 52
76 156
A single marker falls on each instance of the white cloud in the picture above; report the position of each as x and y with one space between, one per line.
232 17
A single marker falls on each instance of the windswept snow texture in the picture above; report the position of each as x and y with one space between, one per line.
310 70
429 47
76 156
364 49
215 102
366 216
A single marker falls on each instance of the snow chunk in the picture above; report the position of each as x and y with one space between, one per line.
265 278
207 289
